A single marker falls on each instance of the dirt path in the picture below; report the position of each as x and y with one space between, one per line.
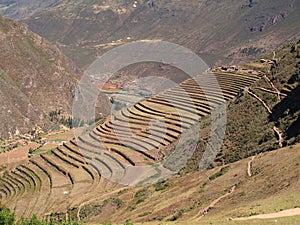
273 86
262 101
250 166
274 55
284 213
204 211
276 129
270 91
279 134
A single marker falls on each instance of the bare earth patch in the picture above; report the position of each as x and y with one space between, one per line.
18 155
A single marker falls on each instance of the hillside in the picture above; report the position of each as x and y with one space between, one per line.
86 29
36 78
222 147
272 187
265 115
89 178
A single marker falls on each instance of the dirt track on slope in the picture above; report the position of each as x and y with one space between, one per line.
250 166
284 213
212 205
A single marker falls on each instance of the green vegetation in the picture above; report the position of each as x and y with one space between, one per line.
37 151
141 195
9 148
57 118
161 185
219 173
9 218
6 217
97 207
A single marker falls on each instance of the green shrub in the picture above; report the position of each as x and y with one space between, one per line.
140 196
6 217
219 173
161 186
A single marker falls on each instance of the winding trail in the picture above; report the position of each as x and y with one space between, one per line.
270 91
280 136
204 211
273 86
250 167
276 129
274 55
262 101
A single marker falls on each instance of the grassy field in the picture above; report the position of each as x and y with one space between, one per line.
293 220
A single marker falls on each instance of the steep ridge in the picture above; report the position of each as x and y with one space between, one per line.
36 78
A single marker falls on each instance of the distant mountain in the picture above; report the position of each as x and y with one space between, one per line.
36 78
220 31
22 9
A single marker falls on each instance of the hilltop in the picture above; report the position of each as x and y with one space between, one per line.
36 79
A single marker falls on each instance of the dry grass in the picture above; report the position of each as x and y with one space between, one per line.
273 187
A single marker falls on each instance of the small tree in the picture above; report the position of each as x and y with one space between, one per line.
31 150
6 217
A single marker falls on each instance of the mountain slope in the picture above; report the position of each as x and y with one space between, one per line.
23 9
273 187
265 115
78 179
36 78
220 31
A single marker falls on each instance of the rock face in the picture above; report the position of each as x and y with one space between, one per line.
35 79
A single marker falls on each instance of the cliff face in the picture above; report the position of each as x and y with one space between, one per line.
36 78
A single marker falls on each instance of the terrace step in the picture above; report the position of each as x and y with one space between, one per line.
58 176
129 145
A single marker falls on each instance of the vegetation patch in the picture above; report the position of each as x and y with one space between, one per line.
219 173
9 218
139 197
162 185
96 208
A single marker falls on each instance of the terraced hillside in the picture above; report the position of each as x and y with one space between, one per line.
88 168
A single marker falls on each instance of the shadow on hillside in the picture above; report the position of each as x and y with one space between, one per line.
289 108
